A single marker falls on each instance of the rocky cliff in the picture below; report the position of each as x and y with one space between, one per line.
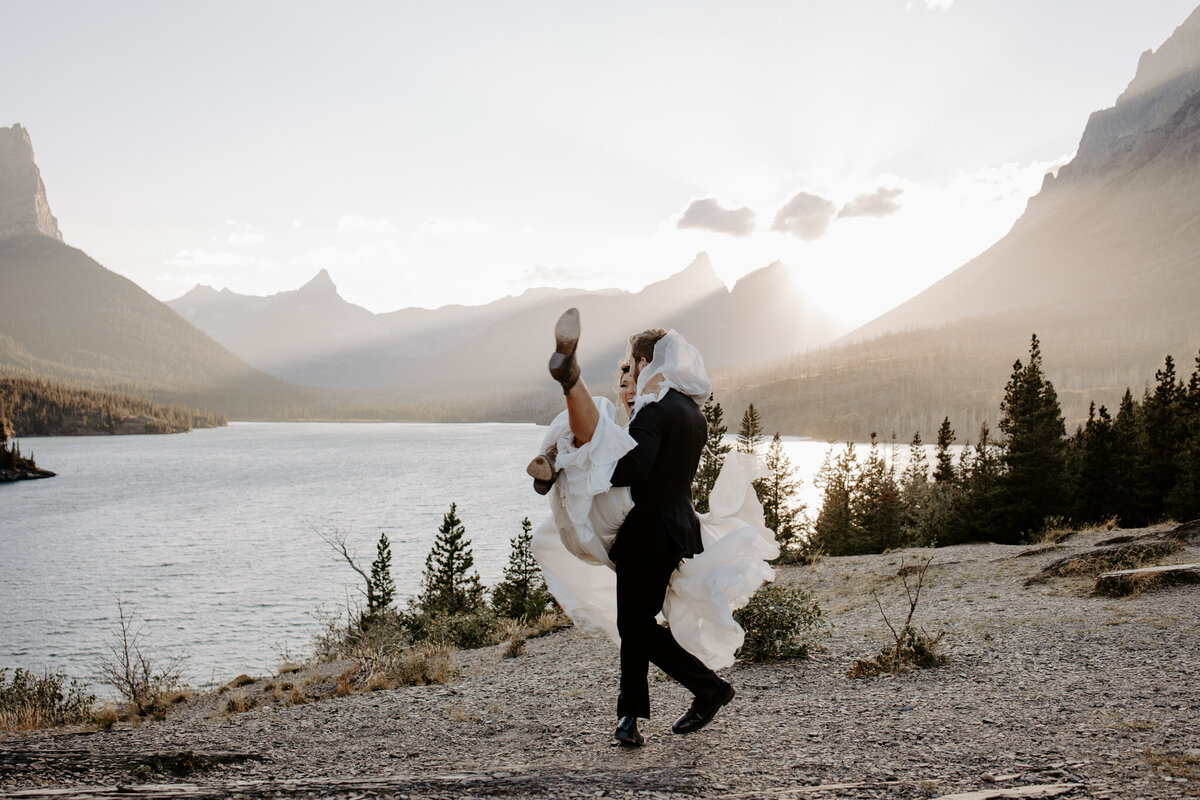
23 204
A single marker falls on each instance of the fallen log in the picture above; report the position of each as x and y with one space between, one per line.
1127 582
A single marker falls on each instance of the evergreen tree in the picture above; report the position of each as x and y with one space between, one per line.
1034 458
834 533
915 495
1164 424
1092 468
713 456
1183 501
448 585
522 594
380 587
751 432
776 492
944 471
1131 489
979 501
875 504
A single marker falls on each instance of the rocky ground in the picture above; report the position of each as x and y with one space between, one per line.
1047 686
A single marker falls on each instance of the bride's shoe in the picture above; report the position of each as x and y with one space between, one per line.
542 466
563 366
541 469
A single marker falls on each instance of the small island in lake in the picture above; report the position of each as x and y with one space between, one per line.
14 466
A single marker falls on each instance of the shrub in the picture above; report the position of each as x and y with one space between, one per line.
467 630
915 650
29 701
143 682
780 621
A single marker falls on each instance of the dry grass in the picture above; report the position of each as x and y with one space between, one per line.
1133 585
239 703
1132 555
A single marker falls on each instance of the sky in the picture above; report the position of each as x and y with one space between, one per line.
428 153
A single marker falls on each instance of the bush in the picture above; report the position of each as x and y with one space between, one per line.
144 683
916 650
29 701
467 630
780 621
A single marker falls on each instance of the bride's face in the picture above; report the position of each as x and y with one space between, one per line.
626 388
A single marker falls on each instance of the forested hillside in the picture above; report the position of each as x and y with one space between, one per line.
38 407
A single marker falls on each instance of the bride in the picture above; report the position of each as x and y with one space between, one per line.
586 512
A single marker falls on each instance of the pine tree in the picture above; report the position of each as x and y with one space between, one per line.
1131 489
1091 460
944 472
776 492
915 495
834 532
713 456
875 504
1163 421
522 594
381 588
1183 501
1032 485
448 585
750 434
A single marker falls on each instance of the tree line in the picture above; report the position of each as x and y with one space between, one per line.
39 407
1136 467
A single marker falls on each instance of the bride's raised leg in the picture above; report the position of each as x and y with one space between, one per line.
581 409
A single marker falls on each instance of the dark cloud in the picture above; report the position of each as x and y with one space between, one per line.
806 216
878 203
707 215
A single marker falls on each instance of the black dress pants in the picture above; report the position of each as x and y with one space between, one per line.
641 589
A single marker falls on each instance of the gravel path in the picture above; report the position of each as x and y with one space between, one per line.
1047 686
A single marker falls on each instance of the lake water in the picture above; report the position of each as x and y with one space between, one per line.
212 539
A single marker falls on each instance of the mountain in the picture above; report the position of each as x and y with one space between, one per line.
1104 265
313 337
1117 232
23 204
64 316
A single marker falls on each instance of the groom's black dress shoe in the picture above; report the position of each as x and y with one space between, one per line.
563 366
627 733
702 712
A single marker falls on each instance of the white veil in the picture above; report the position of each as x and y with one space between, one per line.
681 368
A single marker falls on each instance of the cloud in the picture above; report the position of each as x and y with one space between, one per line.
457 227
806 216
878 203
937 5
220 259
352 223
542 274
707 215
383 254
246 237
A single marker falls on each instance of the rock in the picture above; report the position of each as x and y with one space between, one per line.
23 204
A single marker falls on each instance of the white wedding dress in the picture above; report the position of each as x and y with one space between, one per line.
587 510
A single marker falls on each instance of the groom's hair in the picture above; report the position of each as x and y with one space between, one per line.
641 345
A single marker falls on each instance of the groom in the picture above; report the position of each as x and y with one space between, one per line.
660 531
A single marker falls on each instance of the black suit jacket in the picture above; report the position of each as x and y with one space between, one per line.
670 437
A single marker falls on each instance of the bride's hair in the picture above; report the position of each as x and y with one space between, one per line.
641 345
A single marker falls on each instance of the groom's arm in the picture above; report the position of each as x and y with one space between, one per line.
646 430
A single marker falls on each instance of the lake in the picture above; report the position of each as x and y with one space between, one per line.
212 539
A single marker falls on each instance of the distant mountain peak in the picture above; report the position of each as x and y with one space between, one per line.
321 283
23 204
1165 80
